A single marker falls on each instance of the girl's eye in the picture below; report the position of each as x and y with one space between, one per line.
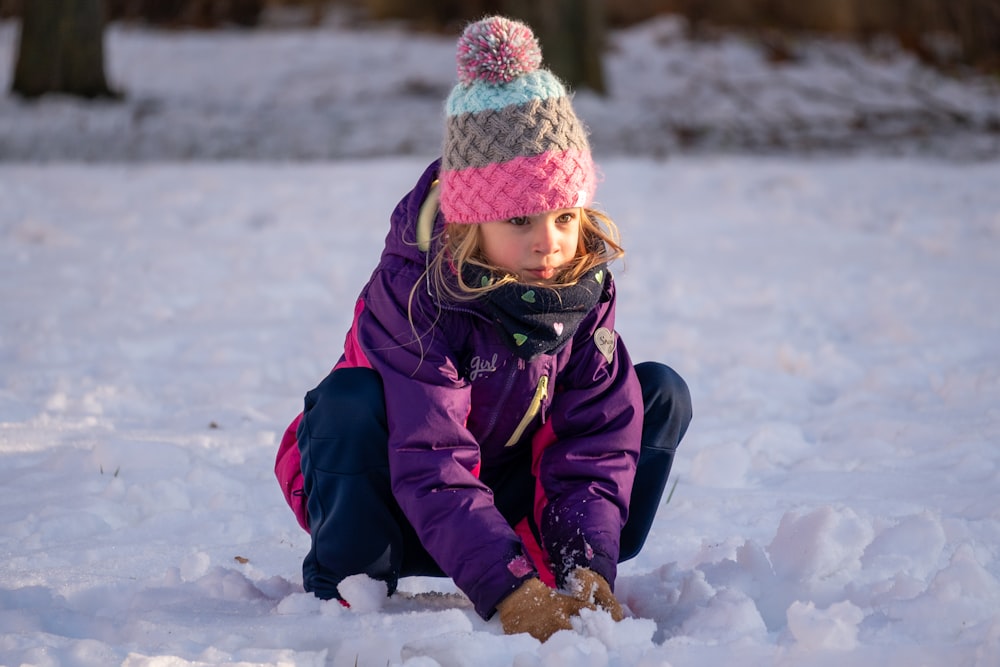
566 217
519 221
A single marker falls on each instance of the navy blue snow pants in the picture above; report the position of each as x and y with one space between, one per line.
357 527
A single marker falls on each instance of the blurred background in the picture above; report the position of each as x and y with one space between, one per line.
652 76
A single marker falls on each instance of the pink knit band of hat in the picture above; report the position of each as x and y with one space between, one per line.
522 186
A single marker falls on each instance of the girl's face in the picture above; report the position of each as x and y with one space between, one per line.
533 247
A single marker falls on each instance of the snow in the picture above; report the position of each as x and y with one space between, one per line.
294 94
162 315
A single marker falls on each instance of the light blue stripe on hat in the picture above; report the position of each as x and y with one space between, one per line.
481 96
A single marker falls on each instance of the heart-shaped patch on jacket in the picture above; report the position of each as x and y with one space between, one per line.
605 341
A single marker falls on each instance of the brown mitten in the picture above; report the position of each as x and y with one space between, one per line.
538 610
588 586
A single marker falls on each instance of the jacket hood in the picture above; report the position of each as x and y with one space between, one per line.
407 238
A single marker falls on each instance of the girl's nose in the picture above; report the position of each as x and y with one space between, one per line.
546 238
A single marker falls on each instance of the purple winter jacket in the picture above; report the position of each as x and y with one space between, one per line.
461 406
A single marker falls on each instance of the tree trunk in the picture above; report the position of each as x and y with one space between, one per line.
61 49
571 33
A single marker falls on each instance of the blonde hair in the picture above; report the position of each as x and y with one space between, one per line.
460 244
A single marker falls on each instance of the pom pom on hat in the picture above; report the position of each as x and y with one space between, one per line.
497 50
513 145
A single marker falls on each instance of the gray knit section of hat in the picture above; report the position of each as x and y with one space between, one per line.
520 130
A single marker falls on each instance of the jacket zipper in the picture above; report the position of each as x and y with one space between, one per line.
541 390
541 393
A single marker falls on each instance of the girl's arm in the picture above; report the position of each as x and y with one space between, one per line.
586 453
433 458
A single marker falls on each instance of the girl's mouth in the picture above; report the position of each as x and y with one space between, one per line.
543 273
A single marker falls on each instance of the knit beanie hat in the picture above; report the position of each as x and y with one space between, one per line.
512 144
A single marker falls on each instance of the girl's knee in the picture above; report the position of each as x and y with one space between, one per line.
347 398
343 429
348 389
662 384
666 398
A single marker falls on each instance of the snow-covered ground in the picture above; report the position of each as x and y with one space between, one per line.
293 94
838 497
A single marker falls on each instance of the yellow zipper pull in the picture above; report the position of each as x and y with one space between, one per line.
541 393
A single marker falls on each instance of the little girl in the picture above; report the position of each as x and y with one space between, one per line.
485 421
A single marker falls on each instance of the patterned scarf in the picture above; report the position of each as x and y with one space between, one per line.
536 320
